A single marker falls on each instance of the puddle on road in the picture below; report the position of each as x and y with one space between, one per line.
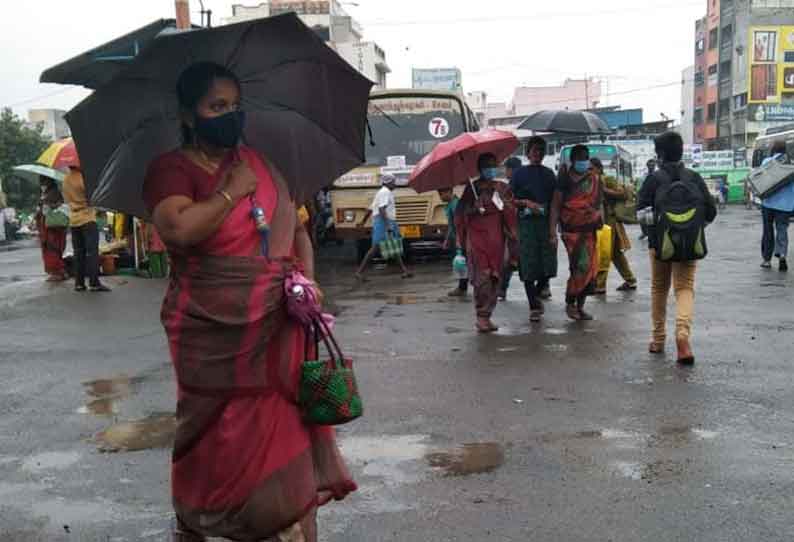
107 393
468 459
555 331
649 472
51 461
559 348
391 457
155 431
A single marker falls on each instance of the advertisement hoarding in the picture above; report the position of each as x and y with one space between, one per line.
771 59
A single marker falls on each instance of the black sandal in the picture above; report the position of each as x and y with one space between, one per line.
80 288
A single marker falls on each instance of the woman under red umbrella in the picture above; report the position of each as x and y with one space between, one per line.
484 225
52 238
576 207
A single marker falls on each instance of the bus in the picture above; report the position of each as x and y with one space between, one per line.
404 125
618 162
763 143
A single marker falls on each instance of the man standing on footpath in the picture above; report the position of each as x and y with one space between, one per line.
85 233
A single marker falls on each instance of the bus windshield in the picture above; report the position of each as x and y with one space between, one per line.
605 153
411 126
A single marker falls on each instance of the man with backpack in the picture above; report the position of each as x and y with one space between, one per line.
682 208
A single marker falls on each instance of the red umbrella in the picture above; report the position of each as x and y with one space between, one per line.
454 162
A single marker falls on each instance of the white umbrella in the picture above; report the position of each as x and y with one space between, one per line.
32 172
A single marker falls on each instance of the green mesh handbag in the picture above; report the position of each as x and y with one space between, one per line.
328 393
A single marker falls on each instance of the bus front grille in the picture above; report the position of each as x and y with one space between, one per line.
412 212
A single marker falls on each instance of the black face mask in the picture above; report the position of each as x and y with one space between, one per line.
223 131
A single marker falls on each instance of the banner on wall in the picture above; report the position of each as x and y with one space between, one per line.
771 69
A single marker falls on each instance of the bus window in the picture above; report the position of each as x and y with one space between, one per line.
790 150
758 157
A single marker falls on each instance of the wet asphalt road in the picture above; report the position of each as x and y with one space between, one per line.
558 431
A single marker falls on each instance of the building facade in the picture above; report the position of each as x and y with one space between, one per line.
52 122
478 103
744 71
333 24
574 94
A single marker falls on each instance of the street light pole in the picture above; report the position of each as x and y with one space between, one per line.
182 14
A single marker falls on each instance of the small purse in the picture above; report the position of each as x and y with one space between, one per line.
57 217
328 393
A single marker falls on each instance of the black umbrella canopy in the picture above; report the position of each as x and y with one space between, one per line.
306 108
565 122
99 65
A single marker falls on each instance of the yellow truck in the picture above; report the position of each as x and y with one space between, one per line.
404 125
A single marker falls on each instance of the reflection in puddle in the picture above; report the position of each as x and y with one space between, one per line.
107 393
382 456
51 460
555 347
155 431
554 331
468 459
650 472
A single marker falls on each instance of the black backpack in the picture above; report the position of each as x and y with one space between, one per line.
680 212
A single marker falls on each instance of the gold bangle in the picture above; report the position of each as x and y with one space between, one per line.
226 196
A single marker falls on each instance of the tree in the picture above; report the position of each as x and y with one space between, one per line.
19 144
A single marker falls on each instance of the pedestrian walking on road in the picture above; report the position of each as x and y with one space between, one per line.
577 209
613 193
448 196
776 211
483 230
384 224
245 464
651 167
85 233
52 237
675 191
511 165
533 189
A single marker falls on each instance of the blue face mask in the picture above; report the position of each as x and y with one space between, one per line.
490 173
581 166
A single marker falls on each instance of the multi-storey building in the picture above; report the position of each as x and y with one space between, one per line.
744 71
332 23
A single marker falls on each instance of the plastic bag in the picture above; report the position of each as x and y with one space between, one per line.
460 267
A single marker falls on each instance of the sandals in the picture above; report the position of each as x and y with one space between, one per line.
577 314
627 287
685 356
656 348
80 288
535 315
486 326
407 275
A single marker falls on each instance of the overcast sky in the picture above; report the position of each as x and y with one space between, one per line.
499 44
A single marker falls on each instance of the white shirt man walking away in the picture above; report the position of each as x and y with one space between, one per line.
384 223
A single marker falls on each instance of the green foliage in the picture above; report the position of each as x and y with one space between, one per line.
19 144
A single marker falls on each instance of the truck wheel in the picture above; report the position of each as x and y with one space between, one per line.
362 247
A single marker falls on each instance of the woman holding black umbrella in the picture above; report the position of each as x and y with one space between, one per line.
245 465
576 207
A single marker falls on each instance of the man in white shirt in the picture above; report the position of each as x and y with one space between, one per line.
384 223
